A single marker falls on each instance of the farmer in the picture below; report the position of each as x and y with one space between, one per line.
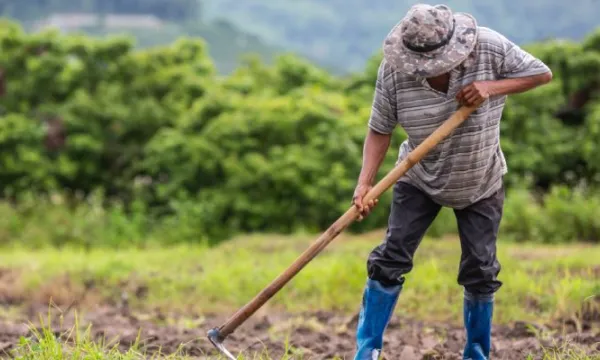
434 61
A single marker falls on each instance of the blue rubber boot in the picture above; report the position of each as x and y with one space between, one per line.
478 311
378 305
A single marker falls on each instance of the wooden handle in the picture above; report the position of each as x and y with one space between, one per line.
346 219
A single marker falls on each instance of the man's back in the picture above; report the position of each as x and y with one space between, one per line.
468 165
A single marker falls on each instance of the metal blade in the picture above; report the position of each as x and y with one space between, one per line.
216 339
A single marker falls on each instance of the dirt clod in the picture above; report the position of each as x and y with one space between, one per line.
409 353
404 340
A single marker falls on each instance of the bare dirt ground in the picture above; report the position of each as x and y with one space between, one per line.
318 335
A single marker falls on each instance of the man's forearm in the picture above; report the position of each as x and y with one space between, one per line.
518 85
374 150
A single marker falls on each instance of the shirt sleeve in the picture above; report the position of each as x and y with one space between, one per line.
515 62
383 117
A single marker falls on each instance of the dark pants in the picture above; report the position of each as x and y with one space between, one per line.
412 212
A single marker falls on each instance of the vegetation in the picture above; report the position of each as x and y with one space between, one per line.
330 283
158 136
564 280
122 172
344 34
180 18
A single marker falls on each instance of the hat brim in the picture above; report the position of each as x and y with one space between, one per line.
436 62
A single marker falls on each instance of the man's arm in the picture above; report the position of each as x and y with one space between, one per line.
518 71
382 123
519 85
374 150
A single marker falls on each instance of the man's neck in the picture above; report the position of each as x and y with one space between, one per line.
440 83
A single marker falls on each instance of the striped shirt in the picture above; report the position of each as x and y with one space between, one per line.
469 164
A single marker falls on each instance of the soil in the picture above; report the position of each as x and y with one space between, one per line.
320 335
314 336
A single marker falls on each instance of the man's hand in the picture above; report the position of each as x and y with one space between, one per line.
359 194
475 93
480 91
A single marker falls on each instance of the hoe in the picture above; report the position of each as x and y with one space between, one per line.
218 335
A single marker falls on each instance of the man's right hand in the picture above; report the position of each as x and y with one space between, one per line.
363 208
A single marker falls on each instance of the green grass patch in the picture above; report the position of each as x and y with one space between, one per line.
541 282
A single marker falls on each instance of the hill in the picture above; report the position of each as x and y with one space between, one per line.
150 22
348 32
226 44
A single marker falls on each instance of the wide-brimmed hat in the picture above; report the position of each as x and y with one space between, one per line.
430 40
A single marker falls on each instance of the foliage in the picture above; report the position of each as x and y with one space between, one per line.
343 34
226 43
96 222
565 216
269 148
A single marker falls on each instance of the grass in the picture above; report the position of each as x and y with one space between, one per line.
45 345
541 282
77 345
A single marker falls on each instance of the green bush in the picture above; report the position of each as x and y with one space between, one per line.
269 148
563 215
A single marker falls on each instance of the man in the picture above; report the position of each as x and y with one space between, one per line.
434 61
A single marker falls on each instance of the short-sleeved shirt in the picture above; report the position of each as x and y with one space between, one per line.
469 164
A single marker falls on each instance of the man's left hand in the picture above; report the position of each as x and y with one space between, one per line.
474 93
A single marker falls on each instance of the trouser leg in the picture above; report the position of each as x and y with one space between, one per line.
478 227
411 213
